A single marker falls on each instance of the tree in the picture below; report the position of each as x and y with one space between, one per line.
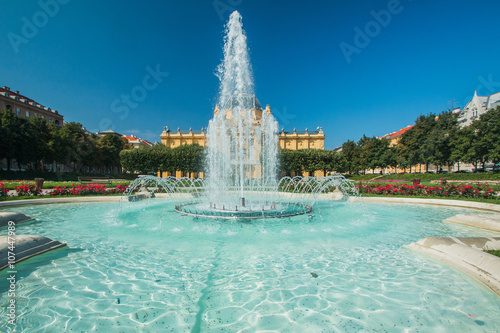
43 139
441 136
188 158
488 135
290 161
16 139
415 145
351 154
365 161
72 136
466 148
111 145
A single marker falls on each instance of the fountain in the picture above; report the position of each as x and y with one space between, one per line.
242 160
143 267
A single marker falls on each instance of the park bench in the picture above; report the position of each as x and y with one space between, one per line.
95 180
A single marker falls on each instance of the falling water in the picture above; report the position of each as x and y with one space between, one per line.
242 160
241 137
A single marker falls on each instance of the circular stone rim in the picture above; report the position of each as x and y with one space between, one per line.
241 215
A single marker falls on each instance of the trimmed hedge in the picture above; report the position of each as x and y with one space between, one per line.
59 176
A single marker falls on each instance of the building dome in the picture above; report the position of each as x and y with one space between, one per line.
244 102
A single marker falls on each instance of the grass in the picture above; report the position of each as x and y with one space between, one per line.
493 252
59 176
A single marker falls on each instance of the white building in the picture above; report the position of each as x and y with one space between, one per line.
476 107
136 142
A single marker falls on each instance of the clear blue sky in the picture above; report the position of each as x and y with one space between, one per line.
84 55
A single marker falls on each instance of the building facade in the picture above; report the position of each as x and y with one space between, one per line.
23 106
293 140
477 106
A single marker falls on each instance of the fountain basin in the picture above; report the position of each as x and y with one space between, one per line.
175 272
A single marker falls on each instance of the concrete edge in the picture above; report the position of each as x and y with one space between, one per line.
436 202
16 203
482 221
6 217
26 246
467 255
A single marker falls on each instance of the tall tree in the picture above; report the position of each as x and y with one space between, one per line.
351 154
43 139
488 133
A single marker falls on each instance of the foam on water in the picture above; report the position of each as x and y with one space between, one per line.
343 271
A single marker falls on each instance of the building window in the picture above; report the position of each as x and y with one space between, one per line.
43 117
35 114
27 114
50 120
18 111
8 107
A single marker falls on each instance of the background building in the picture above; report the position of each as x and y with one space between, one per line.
476 107
23 106
136 142
293 140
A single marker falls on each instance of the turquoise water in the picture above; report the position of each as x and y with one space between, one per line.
343 270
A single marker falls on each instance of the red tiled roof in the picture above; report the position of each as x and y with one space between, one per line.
133 138
398 133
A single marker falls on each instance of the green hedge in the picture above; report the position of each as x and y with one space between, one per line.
58 176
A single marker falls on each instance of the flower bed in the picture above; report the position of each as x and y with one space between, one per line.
3 191
89 189
26 190
442 190
74 189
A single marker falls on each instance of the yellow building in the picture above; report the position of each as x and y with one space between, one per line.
179 138
394 138
293 140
